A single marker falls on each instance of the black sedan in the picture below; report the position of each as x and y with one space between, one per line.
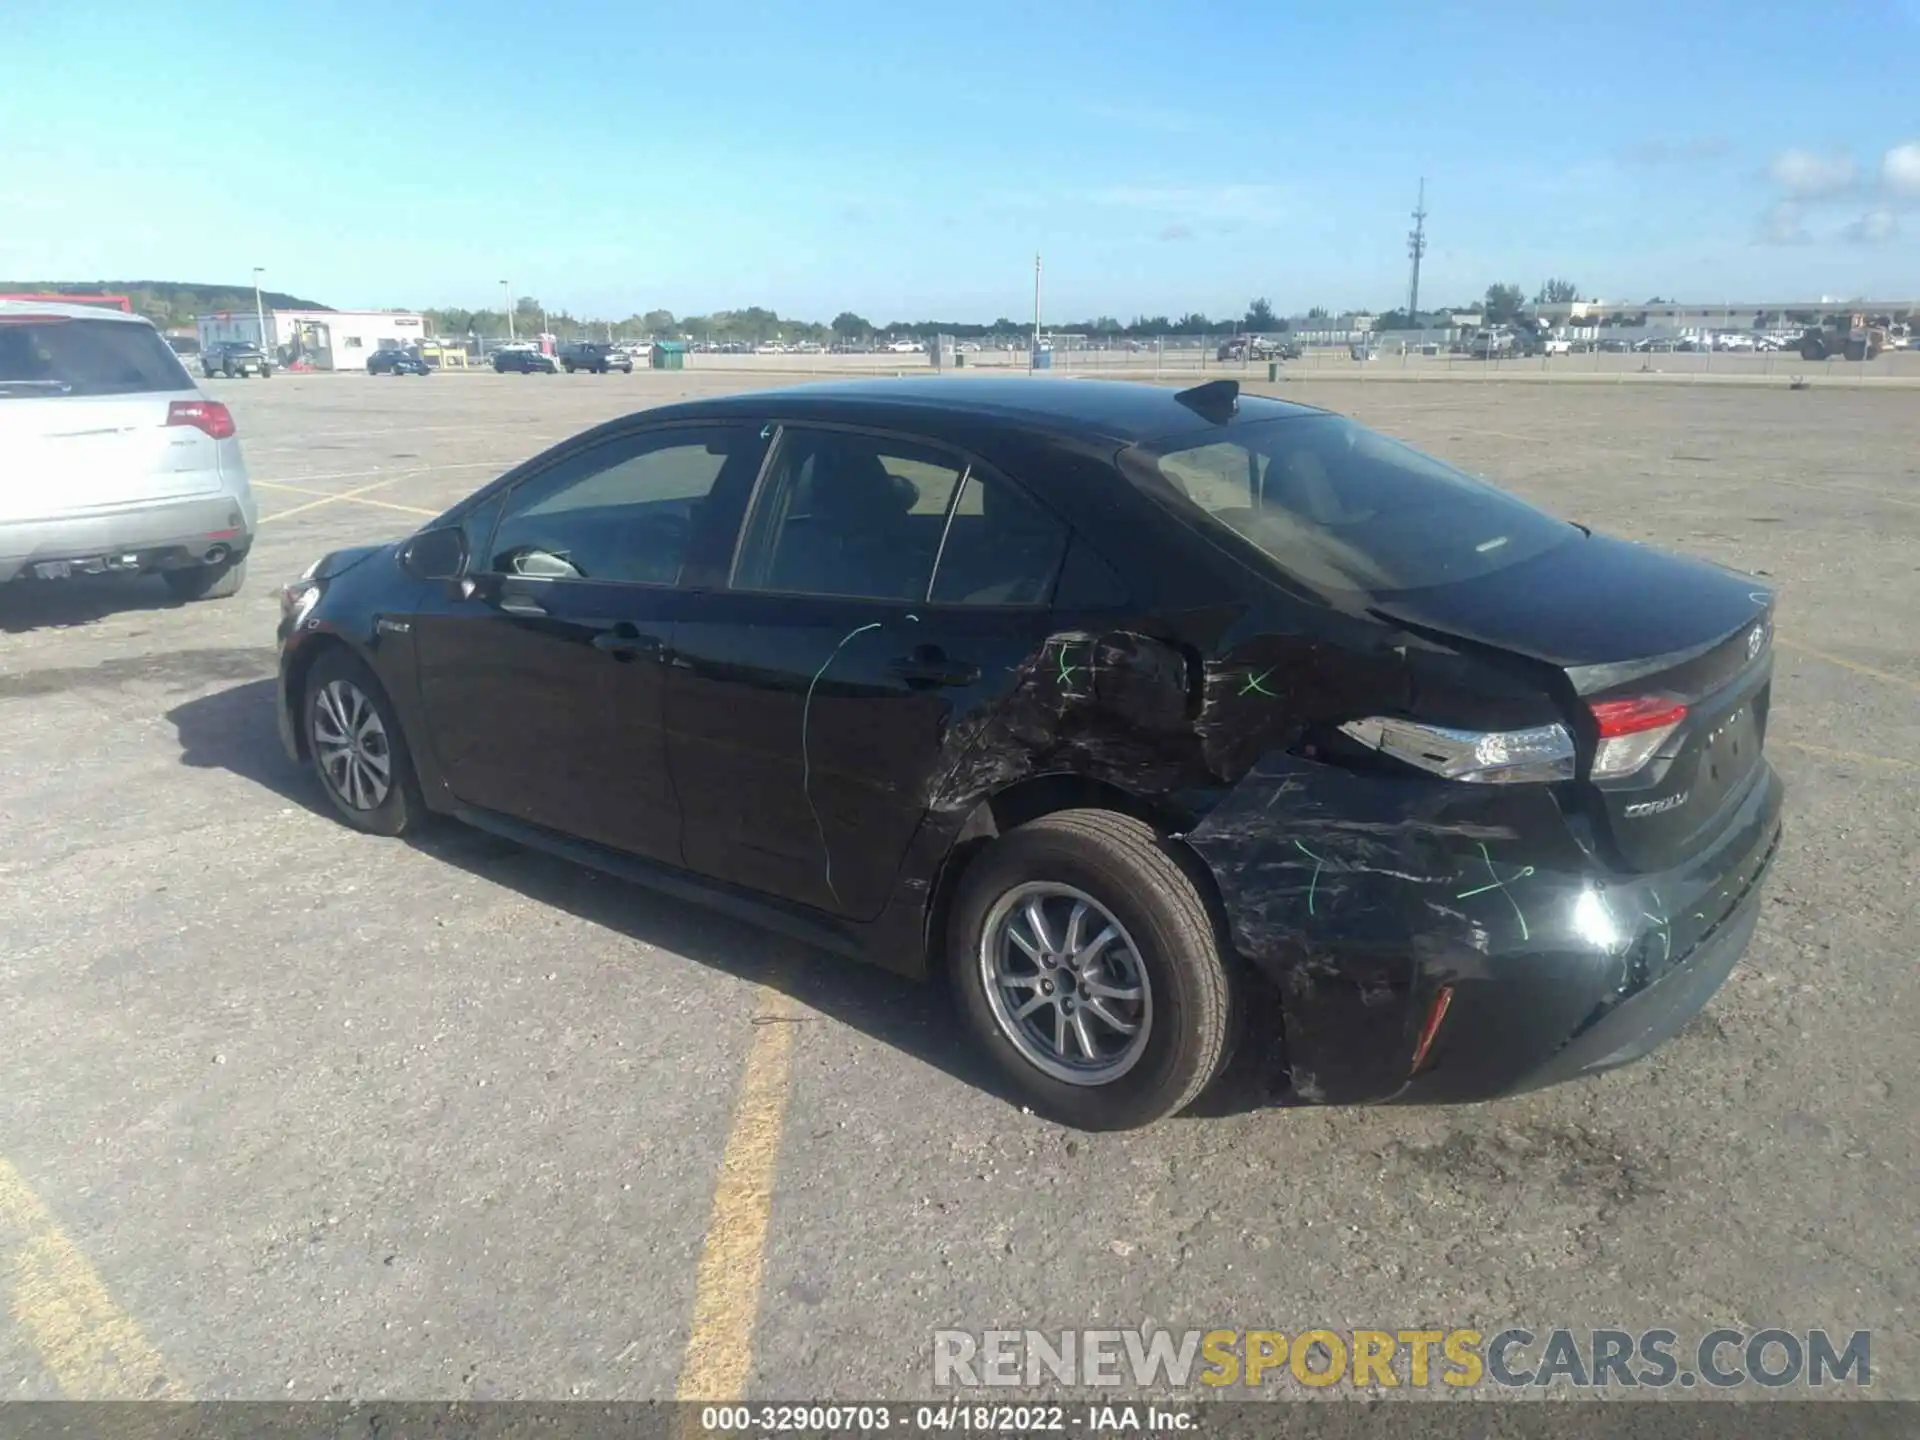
1141 717
397 362
524 361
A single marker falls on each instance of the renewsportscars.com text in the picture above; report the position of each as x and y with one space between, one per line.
1518 1357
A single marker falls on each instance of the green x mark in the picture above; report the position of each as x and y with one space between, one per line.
1066 670
1255 685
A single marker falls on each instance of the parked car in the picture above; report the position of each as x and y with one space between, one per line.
114 460
526 361
1118 708
234 359
395 361
591 355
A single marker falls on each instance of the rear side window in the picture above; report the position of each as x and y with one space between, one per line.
49 355
1342 508
859 516
1001 548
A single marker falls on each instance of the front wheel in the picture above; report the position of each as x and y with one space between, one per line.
357 747
1085 960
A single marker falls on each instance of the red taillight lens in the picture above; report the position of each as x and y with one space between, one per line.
208 415
1632 732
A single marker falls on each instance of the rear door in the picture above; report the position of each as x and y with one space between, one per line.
542 674
84 405
883 589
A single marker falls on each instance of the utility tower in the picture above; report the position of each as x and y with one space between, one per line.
1416 247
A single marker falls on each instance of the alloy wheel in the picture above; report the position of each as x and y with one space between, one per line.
1065 983
350 742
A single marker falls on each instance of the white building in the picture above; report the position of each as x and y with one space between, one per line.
324 339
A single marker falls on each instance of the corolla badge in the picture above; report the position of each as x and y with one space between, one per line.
1656 807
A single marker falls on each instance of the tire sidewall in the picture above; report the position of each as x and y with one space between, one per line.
397 812
1170 1058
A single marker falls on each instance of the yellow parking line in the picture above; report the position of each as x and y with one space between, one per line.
357 499
726 1301
91 1347
1832 753
1829 487
353 494
1846 664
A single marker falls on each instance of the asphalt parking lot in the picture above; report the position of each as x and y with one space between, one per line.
287 1111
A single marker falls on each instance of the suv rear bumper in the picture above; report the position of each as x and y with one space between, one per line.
163 535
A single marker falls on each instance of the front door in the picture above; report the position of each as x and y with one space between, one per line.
812 699
542 674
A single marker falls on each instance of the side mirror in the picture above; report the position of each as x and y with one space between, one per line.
436 554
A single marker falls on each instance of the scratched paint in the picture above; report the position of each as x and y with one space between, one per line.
806 747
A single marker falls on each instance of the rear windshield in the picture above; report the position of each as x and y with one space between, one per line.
1342 508
47 355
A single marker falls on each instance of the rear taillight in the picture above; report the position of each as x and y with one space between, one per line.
1632 732
1484 757
208 415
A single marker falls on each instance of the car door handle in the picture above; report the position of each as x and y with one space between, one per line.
522 605
624 642
929 669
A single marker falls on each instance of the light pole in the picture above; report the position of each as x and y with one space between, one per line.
506 298
260 312
1033 356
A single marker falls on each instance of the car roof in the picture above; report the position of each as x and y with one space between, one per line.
68 311
1126 411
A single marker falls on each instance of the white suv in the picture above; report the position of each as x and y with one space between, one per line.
111 458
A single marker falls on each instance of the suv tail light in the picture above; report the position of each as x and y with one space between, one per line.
208 415
1485 757
1631 732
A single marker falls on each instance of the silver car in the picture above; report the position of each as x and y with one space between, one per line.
112 459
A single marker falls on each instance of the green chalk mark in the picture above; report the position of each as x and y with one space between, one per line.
1313 885
1501 886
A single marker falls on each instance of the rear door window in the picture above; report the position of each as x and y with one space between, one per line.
1340 507
849 514
53 355
1001 547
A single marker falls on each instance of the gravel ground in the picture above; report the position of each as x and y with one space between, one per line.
290 1112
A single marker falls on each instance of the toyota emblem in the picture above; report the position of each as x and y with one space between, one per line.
1756 637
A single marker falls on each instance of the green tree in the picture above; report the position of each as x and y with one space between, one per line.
1260 317
1557 292
1504 303
1318 312
849 326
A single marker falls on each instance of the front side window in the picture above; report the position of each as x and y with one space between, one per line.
624 511
849 515
1342 508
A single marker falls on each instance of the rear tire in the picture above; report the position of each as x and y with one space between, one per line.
1164 971
351 731
207 582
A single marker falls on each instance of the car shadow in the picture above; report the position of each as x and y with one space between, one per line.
82 600
235 730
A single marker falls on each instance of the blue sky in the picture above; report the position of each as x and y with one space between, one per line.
907 160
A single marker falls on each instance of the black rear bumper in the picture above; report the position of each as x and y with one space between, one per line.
1383 908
